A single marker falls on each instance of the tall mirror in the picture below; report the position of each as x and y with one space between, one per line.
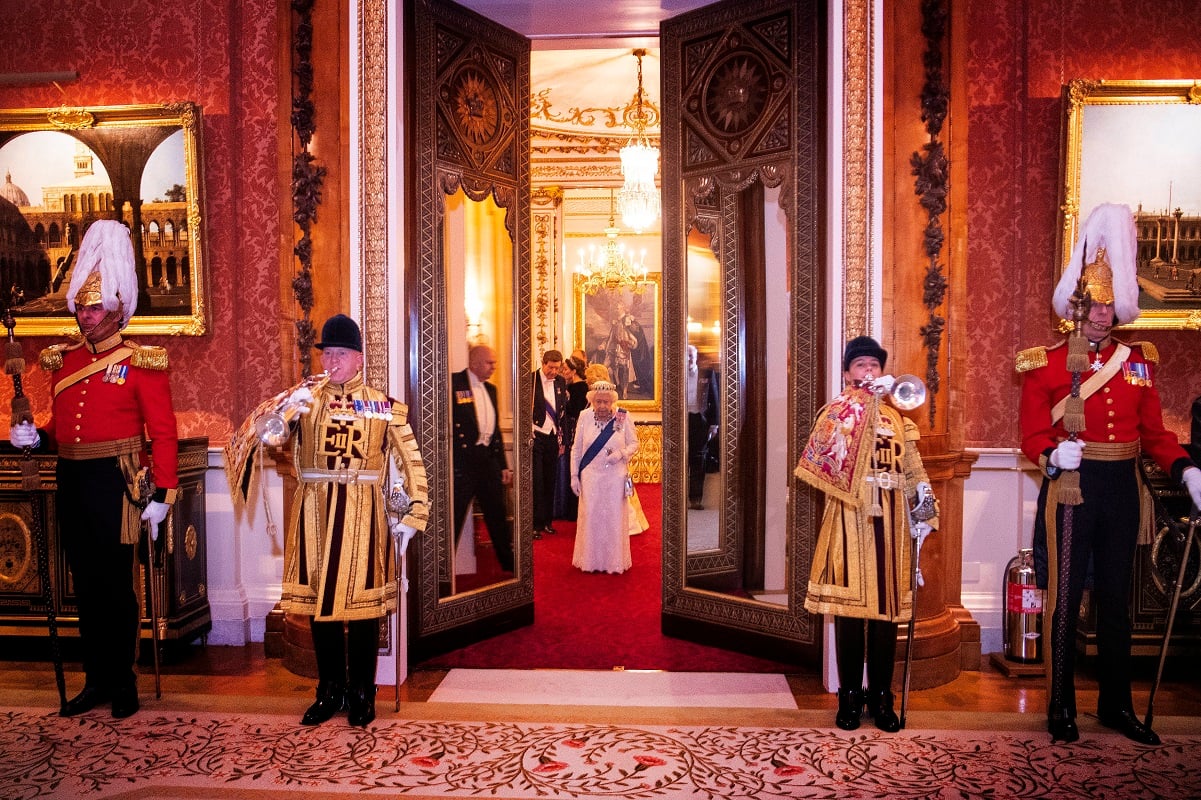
476 547
742 142
468 284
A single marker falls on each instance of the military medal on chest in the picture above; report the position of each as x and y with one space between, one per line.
116 373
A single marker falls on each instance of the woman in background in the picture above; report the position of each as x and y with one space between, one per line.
566 504
604 444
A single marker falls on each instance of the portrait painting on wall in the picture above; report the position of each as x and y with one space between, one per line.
65 168
1139 143
619 327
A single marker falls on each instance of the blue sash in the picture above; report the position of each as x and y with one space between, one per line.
597 444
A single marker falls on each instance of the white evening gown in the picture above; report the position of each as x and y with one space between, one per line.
602 534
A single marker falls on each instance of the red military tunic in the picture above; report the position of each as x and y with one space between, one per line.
110 398
1125 409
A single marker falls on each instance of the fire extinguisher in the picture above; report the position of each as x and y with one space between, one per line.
1022 622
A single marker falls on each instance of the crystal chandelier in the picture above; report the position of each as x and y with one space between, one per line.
639 197
608 267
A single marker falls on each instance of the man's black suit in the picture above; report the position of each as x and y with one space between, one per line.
478 468
546 450
699 424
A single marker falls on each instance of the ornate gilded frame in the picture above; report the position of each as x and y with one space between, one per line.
1107 121
125 140
646 310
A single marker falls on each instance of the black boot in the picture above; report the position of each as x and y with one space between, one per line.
331 698
879 705
850 707
1127 724
360 704
363 651
1061 724
89 698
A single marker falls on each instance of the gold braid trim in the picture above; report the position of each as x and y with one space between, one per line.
148 357
1031 358
1150 351
51 358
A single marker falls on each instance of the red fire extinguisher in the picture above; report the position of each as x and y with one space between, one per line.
1022 623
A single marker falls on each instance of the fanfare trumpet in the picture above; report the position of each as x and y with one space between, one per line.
274 427
907 392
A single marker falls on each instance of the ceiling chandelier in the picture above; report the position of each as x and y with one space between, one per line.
639 197
607 267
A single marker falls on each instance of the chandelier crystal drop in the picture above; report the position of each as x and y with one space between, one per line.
639 197
608 268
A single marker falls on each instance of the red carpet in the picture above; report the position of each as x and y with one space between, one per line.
599 621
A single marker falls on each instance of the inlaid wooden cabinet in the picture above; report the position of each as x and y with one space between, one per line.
27 518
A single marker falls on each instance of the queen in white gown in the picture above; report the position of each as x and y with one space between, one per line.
599 475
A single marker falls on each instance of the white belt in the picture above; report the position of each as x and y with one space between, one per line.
339 476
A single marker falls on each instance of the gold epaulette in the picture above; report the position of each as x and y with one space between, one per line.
1150 351
1031 358
150 357
51 358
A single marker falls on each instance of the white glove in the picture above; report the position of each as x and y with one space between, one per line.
1068 455
24 435
1192 481
302 399
884 384
154 513
575 485
403 533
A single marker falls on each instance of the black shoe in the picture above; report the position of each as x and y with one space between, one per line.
360 706
879 706
331 698
89 698
537 535
550 529
1061 724
850 707
1125 723
125 702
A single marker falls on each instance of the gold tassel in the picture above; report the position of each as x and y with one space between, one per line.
1077 360
21 410
1073 414
876 509
14 359
31 478
1068 488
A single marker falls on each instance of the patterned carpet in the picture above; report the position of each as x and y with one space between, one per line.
161 753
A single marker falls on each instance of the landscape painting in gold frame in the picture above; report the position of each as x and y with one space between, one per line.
619 327
67 167
1139 143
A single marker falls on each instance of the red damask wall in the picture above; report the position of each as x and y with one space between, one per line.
222 56
1020 54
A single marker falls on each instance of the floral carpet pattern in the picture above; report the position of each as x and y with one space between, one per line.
95 756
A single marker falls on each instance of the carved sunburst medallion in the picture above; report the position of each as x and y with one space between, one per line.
735 94
476 107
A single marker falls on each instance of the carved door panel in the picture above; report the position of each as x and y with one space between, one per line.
743 153
467 123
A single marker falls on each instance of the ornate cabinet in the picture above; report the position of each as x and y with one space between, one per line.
1156 566
28 518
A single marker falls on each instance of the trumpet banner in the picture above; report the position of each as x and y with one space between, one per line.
837 456
240 451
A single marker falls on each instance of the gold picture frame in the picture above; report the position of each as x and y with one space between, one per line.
608 315
67 167
1139 143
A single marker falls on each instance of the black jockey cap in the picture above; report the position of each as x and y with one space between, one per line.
863 346
341 331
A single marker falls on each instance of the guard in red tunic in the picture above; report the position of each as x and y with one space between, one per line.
110 397
1087 441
